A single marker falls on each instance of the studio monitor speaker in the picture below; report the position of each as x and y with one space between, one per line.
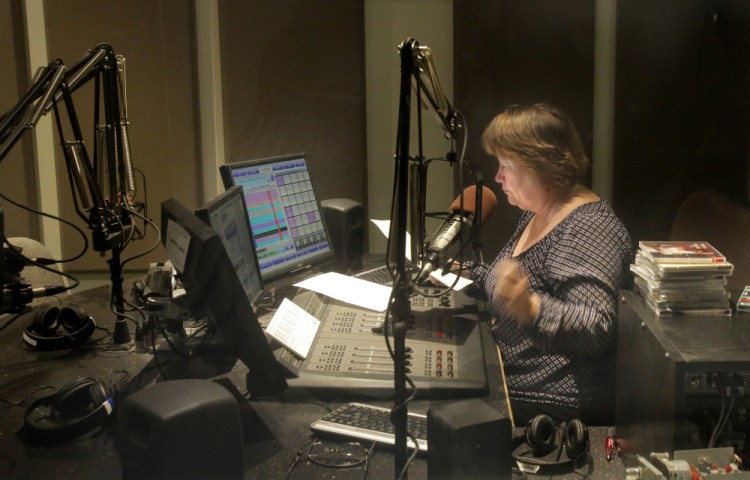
468 439
181 429
345 220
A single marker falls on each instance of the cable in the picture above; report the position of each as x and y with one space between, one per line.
13 319
135 308
17 251
59 219
23 401
152 248
722 423
119 385
177 349
113 309
143 204
714 48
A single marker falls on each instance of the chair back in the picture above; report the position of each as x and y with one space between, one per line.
710 216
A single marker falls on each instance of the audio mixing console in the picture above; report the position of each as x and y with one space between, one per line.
349 355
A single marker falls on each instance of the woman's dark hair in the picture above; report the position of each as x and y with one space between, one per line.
543 139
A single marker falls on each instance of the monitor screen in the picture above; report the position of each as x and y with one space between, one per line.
215 291
284 213
226 214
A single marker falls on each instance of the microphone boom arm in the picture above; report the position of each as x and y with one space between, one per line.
105 208
431 91
25 114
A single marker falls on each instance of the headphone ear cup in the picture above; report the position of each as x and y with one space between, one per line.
576 439
540 434
73 318
74 398
99 393
46 320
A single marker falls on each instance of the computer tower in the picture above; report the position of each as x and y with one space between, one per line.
677 376
181 429
345 220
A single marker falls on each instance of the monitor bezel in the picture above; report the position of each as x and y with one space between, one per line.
230 195
316 262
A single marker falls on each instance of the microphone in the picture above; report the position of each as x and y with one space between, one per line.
459 221
17 295
48 291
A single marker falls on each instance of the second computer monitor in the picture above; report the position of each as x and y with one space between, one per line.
284 212
226 214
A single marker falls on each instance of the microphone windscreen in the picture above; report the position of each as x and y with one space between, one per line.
489 202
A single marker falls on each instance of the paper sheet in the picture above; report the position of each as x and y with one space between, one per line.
449 278
293 327
385 226
362 293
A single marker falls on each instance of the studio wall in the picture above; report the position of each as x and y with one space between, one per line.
17 172
682 107
293 81
509 52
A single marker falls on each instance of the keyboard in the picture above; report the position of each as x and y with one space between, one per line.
372 423
379 275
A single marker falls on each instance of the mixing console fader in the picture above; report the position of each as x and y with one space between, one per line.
444 352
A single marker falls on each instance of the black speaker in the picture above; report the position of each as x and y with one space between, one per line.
468 439
55 328
181 429
345 220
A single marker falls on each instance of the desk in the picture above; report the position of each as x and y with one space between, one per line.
285 425
688 358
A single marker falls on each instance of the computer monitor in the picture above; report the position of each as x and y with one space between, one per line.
211 282
226 214
284 212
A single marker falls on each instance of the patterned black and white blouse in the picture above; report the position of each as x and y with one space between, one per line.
567 356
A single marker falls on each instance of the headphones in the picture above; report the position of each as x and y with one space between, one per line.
45 332
541 436
77 408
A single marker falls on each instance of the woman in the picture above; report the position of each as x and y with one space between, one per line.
553 288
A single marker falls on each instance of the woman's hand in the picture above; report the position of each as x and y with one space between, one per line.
512 288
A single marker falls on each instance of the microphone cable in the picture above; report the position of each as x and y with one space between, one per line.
53 290
48 261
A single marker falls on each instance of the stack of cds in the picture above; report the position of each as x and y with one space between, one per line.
743 303
682 278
